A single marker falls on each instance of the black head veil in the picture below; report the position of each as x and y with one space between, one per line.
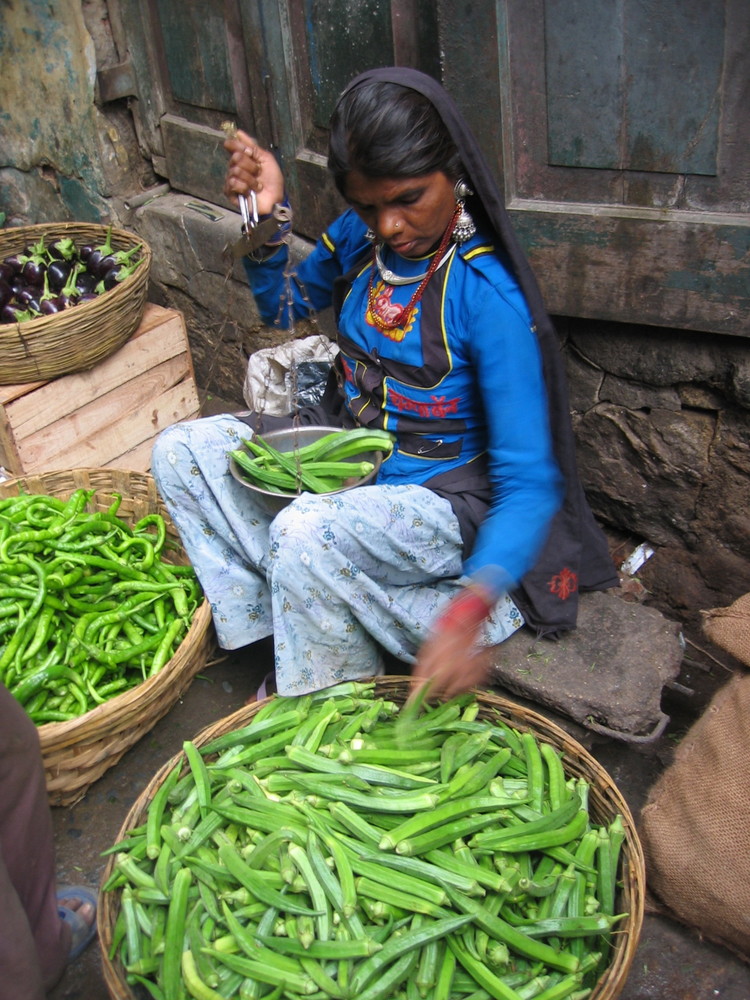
575 556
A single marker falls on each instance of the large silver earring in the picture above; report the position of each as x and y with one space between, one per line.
465 227
370 235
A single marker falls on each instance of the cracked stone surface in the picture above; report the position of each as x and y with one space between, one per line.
608 674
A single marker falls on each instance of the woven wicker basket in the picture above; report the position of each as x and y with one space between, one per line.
79 751
80 337
605 802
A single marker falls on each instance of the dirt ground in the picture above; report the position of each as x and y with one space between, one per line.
671 963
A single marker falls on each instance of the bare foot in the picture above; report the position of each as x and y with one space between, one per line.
86 911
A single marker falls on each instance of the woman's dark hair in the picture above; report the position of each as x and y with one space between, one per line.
386 130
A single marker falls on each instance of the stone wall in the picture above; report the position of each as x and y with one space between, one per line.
662 419
63 158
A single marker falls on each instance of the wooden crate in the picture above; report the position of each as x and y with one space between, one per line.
106 417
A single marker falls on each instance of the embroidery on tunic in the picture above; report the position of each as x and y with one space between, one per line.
438 406
564 583
388 311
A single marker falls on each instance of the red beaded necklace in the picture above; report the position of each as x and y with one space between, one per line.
404 315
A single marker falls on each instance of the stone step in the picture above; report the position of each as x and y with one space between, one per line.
607 675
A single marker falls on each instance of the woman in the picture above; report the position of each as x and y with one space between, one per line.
444 341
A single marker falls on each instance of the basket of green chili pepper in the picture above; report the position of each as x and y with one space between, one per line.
351 845
102 621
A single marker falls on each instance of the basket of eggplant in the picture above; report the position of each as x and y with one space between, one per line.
71 294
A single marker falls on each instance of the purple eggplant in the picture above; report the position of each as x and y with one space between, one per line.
69 294
110 279
15 262
86 282
105 263
26 296
15 314
6 293
6 271
92 261
117 274
62 249
33 271
59 272
122 267
105 249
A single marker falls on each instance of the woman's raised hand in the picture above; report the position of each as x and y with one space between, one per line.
252 168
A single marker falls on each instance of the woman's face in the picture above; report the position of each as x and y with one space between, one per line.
410 214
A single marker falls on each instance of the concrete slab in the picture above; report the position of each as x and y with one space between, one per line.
608 674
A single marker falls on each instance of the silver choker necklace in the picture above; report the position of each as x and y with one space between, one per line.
397 279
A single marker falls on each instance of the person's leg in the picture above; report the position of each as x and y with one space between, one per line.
34 941
357 572
224 533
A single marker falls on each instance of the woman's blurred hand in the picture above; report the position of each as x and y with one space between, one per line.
450 660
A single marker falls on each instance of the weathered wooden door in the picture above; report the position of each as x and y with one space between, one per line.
623 139
275 68
618 128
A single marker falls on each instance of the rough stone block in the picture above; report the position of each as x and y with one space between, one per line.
607 675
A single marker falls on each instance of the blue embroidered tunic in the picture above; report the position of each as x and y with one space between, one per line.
460 385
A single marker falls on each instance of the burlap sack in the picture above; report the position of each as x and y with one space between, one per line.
730 628
695 826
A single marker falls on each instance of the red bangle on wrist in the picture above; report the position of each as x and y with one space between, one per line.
464 613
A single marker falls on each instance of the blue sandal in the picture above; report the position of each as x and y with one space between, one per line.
266 689
267 686
82 933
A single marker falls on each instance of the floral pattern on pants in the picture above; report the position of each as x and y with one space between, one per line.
334 578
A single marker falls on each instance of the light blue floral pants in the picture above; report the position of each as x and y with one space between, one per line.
335 579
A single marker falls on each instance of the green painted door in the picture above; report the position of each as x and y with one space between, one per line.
617 128
274 68
625 155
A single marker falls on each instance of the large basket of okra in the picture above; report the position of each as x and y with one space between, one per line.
108 626
353 844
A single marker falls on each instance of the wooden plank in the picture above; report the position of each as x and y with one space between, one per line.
196 158
672 111
134 432
88 432
681 272
621 87
195 46
54 400
9 457
146 349
583 63
10 392
465 44
138 459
